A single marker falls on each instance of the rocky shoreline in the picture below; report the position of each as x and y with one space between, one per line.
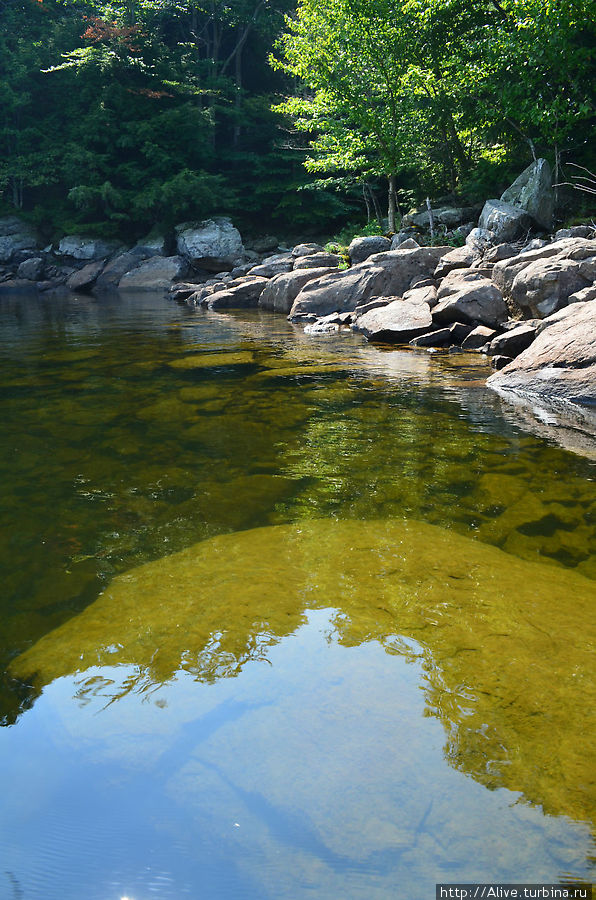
527 301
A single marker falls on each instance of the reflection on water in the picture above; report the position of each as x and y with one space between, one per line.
236 494
506 645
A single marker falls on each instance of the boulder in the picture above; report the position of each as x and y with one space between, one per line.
240 296
154 274
32 269
214 244
273 265
470 298
396 322
544 286
478 338
587 293
401 237
15 284
452 336
500 252
155 244
425 293
363 247
264 244
583 231
381 275
321 326
280 292
460 258
533 193
86 277
15 235
109 278
450 216
505 220
560 364
79 246
318 260
514 341
499 362
481 239
306 250
505 271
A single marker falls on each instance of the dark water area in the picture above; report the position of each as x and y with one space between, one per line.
282 615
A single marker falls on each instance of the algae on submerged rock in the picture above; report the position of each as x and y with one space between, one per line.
505 644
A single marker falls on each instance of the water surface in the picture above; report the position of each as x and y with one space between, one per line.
282 616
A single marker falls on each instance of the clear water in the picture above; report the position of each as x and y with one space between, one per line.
282 616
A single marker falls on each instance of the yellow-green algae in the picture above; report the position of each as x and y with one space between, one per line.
506 645
213 360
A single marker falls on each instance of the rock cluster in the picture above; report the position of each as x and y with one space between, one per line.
530 303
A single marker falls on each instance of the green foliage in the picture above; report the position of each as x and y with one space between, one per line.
461 93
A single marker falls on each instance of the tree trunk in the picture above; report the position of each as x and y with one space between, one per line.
392 202
369 212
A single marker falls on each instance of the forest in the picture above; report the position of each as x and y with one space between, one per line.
125 116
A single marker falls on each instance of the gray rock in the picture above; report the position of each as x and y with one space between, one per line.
281 292
452 336
500 252
481 239
363 247
471 298
537 244
154 244
109 278
240 296
460 258
584 294
424 293
181 291
401 237
86 277
214 244
560 364
15 235
408 243
544 286
263 244
478 338
154 274
32 269
499 362
397 322
273 265
372 304
79 246
450 216
318 260
505 220
326 325
582 231
306 250
505 272
240 271
533 193
381 275
515 341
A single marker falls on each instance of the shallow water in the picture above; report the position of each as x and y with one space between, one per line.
269 699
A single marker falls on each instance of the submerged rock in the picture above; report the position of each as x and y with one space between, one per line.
204 611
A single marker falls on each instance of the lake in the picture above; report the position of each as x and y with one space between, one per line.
283 616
